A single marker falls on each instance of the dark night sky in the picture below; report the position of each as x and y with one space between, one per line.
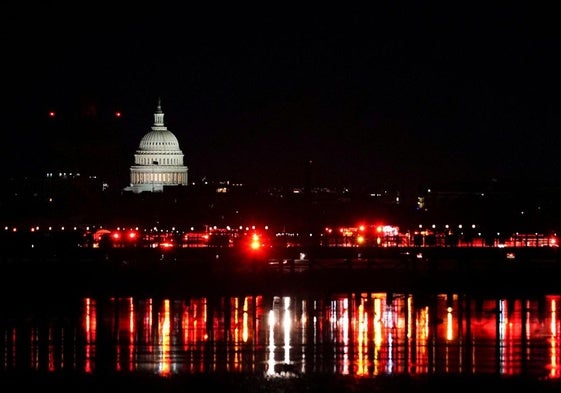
403 95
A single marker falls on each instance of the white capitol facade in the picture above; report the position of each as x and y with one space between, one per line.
158 161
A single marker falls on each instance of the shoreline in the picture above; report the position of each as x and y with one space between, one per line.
233 382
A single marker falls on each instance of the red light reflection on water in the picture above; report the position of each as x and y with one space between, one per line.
164 332
555 367
90 329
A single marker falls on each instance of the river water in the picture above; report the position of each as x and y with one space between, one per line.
357 334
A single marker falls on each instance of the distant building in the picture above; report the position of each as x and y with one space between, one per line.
158 161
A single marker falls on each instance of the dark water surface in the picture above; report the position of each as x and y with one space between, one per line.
481 322
367 341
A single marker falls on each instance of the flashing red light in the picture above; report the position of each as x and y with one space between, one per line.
255 243
132 235
116 235
117 114
52 114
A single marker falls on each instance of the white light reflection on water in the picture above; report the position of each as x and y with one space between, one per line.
280 317
287 327
271 360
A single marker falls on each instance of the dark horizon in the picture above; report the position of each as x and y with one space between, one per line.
91 139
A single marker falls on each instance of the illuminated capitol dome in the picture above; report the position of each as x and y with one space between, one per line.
158 161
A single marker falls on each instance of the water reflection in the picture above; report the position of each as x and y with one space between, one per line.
363 334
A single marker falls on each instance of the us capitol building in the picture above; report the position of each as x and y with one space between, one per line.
158 161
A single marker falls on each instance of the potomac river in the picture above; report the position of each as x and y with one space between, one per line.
288 319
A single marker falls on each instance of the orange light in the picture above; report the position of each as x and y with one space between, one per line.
255 243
